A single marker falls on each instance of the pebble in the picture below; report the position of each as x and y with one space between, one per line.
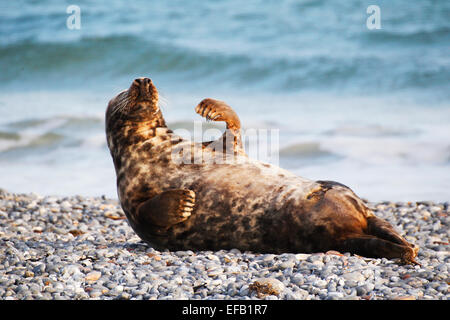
353 278
70 248
271 286
93 276
335 295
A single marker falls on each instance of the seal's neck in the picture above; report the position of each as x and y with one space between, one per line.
139 131
146 129
123 133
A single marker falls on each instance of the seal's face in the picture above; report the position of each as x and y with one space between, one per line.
131 116
143 97
137 103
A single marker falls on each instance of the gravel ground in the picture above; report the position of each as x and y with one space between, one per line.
82 248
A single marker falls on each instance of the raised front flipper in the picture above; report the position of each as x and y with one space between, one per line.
216 110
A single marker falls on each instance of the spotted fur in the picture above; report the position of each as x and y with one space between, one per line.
244 204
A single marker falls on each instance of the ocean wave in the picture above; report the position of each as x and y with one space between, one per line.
99 57
301 154
92 60
56 122
410 38
27 142
29 135
304 150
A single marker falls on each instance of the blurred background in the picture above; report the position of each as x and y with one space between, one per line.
367 108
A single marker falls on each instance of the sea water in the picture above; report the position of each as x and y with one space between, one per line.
369 108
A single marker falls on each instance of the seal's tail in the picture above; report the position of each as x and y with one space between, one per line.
381 241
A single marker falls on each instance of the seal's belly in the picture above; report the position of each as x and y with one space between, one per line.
242 189
232 200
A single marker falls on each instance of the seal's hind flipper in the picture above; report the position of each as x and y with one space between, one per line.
384 230
167 208
371 246
216 110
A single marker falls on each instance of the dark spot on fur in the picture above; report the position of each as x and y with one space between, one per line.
117 162
246 222
147 147
132 171
213 220
135 139
165 160
144 188
121 175
227 229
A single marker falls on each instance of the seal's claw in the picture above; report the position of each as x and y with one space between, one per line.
189 195
186 204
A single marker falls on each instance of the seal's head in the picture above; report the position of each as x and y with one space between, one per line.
138 102
132 114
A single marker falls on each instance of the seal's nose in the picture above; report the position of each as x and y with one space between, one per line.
144 86
142 81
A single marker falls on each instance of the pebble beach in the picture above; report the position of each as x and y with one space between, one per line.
76 247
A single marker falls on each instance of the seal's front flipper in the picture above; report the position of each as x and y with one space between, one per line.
371 246
216 110
167 208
